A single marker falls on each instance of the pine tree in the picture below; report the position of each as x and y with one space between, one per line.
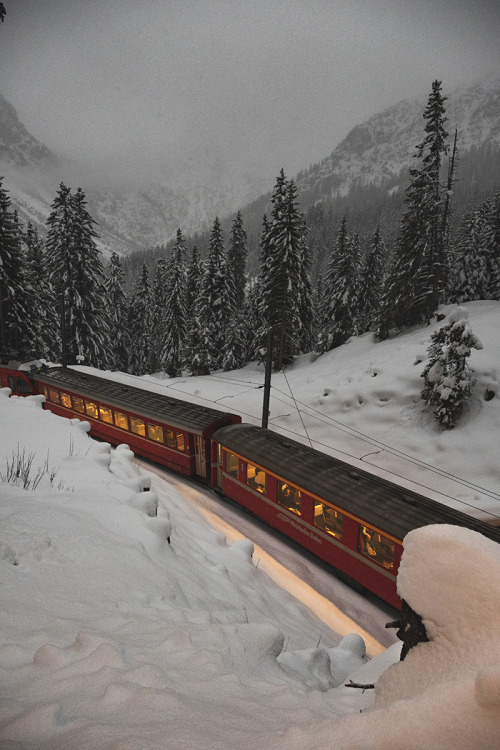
416 280
174 317
140 316
371 282
158 304
281 277
493 240
45 324
14 317
211 312
340 294
196 355
116 302
237 259
447 376
76 274
471 277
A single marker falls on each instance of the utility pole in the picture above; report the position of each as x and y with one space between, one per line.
267 381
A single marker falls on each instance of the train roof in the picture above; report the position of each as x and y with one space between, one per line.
182 415
368 497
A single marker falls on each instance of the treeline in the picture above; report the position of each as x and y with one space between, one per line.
195 310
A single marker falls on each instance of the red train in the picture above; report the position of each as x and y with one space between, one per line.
351 519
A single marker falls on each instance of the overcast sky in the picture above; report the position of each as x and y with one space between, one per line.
270 83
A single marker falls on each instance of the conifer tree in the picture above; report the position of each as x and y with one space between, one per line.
14 318
371 282
340 294
45 323
174 314
282 282
76 274
416 279
211 311
237 259
493 240
196 356
140 316
158 303
447 376
117 315
471 276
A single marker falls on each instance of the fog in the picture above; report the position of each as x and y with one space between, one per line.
136 87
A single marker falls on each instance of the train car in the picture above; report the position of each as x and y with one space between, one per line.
169 431
351 519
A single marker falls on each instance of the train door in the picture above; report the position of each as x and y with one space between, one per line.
200 456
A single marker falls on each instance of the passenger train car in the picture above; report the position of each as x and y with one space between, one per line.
351 519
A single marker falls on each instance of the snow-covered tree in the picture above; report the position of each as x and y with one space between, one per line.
14 318
416 279
448 380
45 324
210 310
340 303
174 313
140 316
471 273
282 282
116 302
237 258
371 281
77 276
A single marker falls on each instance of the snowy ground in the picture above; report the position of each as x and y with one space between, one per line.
113 638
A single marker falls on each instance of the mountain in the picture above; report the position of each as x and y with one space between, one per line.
128 218
365 175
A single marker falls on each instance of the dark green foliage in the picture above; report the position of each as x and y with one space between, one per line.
116 302
173 332
237 258
140 317
371 281
14 289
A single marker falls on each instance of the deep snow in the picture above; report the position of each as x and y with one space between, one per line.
112 637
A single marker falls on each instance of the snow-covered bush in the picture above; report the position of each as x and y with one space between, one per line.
448 378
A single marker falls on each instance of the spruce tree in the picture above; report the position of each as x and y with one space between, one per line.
340 294
76 274
14 311
371 281
237 259
45 321
140 316
116 302
448 378
281 278
471 277
211 312
174 314
416 280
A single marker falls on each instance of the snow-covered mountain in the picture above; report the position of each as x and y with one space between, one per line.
199 189
378 149
202 186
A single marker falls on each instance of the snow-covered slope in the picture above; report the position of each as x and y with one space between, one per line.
384 145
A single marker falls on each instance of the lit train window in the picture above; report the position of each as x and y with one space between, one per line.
78 404
66 400
328 519
175 439
106 414
137 426
54 396
232 464
376 547
45 391
256 478
289 497
91 409
155 432
121 420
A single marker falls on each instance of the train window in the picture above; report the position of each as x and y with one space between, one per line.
376 547
78 404
137 426
328 519
155 432
66 400
106 414
121 420
91 409
256 478
175 439
289 497
54 396
232 464
46 392
23 386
